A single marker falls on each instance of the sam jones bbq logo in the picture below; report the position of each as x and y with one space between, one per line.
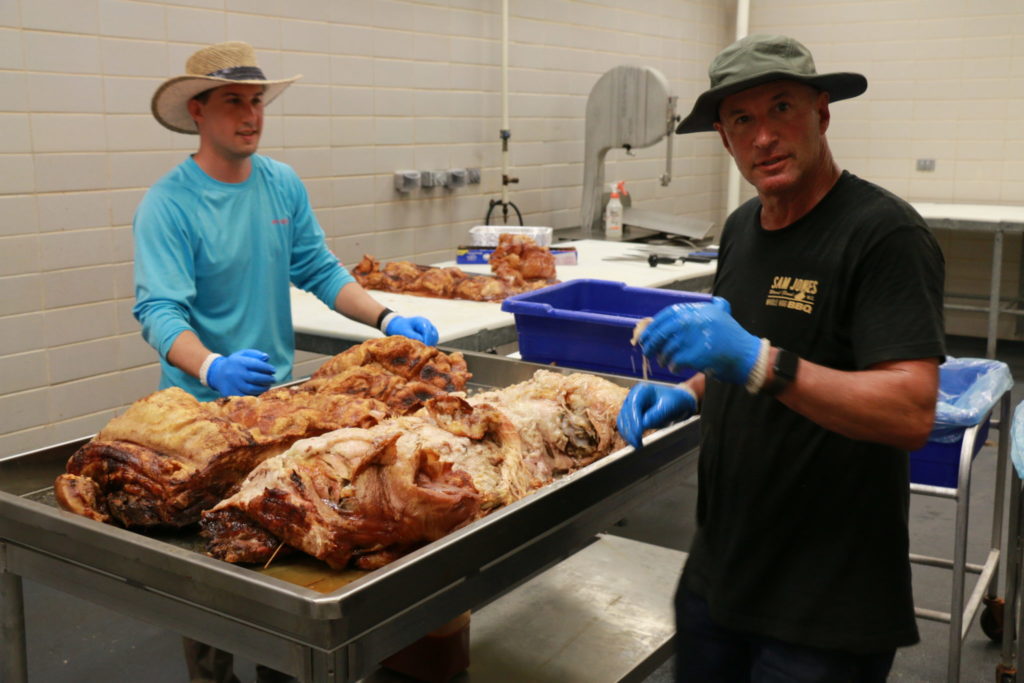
793 293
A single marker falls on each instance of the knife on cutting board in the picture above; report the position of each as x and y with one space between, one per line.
654 259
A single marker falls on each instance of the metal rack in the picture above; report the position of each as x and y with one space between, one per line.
997 221
961 615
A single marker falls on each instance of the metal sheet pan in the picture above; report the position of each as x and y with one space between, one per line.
342 634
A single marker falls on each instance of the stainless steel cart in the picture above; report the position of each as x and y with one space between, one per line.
961 615
337 636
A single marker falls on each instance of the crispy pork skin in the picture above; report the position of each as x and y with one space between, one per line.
518 264
168 457
367 496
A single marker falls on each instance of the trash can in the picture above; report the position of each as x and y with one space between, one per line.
968 389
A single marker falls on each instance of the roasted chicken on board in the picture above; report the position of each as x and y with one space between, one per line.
369 495
518 264
168 457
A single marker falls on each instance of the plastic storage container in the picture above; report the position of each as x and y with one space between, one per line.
938 464
968 389
487 235
588 324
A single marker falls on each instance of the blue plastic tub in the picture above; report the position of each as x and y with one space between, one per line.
938 464
588 324
968 389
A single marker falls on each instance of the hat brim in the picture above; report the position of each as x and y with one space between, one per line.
170 101
704 115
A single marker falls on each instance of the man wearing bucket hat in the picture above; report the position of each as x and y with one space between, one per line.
220 237
817 366
218 240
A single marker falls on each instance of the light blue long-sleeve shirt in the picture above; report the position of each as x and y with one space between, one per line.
217 258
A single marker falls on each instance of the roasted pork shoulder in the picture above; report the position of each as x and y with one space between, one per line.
518 263
169 456
367 496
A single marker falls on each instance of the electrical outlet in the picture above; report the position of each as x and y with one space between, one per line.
406 181
473 176
433 178
456 177
926 165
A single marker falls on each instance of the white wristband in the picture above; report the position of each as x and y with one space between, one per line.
759 373
387 321
205 368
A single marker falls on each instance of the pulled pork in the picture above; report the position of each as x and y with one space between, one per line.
368 496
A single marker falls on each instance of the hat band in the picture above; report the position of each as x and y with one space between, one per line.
239 73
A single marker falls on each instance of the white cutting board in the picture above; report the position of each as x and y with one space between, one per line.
455 319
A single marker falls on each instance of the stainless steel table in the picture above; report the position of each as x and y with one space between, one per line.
990 219
338 635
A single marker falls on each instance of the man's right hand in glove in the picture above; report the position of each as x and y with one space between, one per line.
243 373
651 406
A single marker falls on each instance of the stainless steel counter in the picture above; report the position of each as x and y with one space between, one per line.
996 220
339 635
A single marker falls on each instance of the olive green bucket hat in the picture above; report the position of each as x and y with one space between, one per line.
759 59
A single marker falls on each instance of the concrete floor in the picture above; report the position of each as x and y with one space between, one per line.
74 641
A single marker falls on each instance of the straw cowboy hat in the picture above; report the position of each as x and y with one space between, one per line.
211 67
760 59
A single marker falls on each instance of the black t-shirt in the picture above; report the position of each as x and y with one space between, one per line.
802 533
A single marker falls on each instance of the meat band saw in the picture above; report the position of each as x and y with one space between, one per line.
630 108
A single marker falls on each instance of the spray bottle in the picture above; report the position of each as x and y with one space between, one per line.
613 215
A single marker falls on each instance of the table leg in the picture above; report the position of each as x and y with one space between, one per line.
15 658
993 297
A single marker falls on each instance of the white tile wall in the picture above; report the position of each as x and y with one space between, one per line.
391 84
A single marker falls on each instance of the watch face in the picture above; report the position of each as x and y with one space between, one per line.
785 365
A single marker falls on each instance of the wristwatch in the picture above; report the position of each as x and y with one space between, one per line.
783 371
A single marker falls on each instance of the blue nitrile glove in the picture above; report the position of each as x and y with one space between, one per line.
245 372
702 336
416 327
651 406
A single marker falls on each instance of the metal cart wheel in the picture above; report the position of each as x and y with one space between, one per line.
992 619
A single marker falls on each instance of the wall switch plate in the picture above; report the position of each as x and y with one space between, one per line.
926 164
473 176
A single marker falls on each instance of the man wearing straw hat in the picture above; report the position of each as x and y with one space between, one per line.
217 242
817 366
219 238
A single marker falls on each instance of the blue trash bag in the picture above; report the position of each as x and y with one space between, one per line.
1017 439
968 388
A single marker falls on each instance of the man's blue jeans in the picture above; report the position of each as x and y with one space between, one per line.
708 653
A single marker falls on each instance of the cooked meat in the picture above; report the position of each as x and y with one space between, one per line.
371 495
82 496
353 492
565 421
492 454
519 265
517 258
399 356
169 456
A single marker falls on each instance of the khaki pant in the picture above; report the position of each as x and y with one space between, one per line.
207 664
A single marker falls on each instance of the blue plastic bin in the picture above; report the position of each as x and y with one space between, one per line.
968 389
938 464
588 324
